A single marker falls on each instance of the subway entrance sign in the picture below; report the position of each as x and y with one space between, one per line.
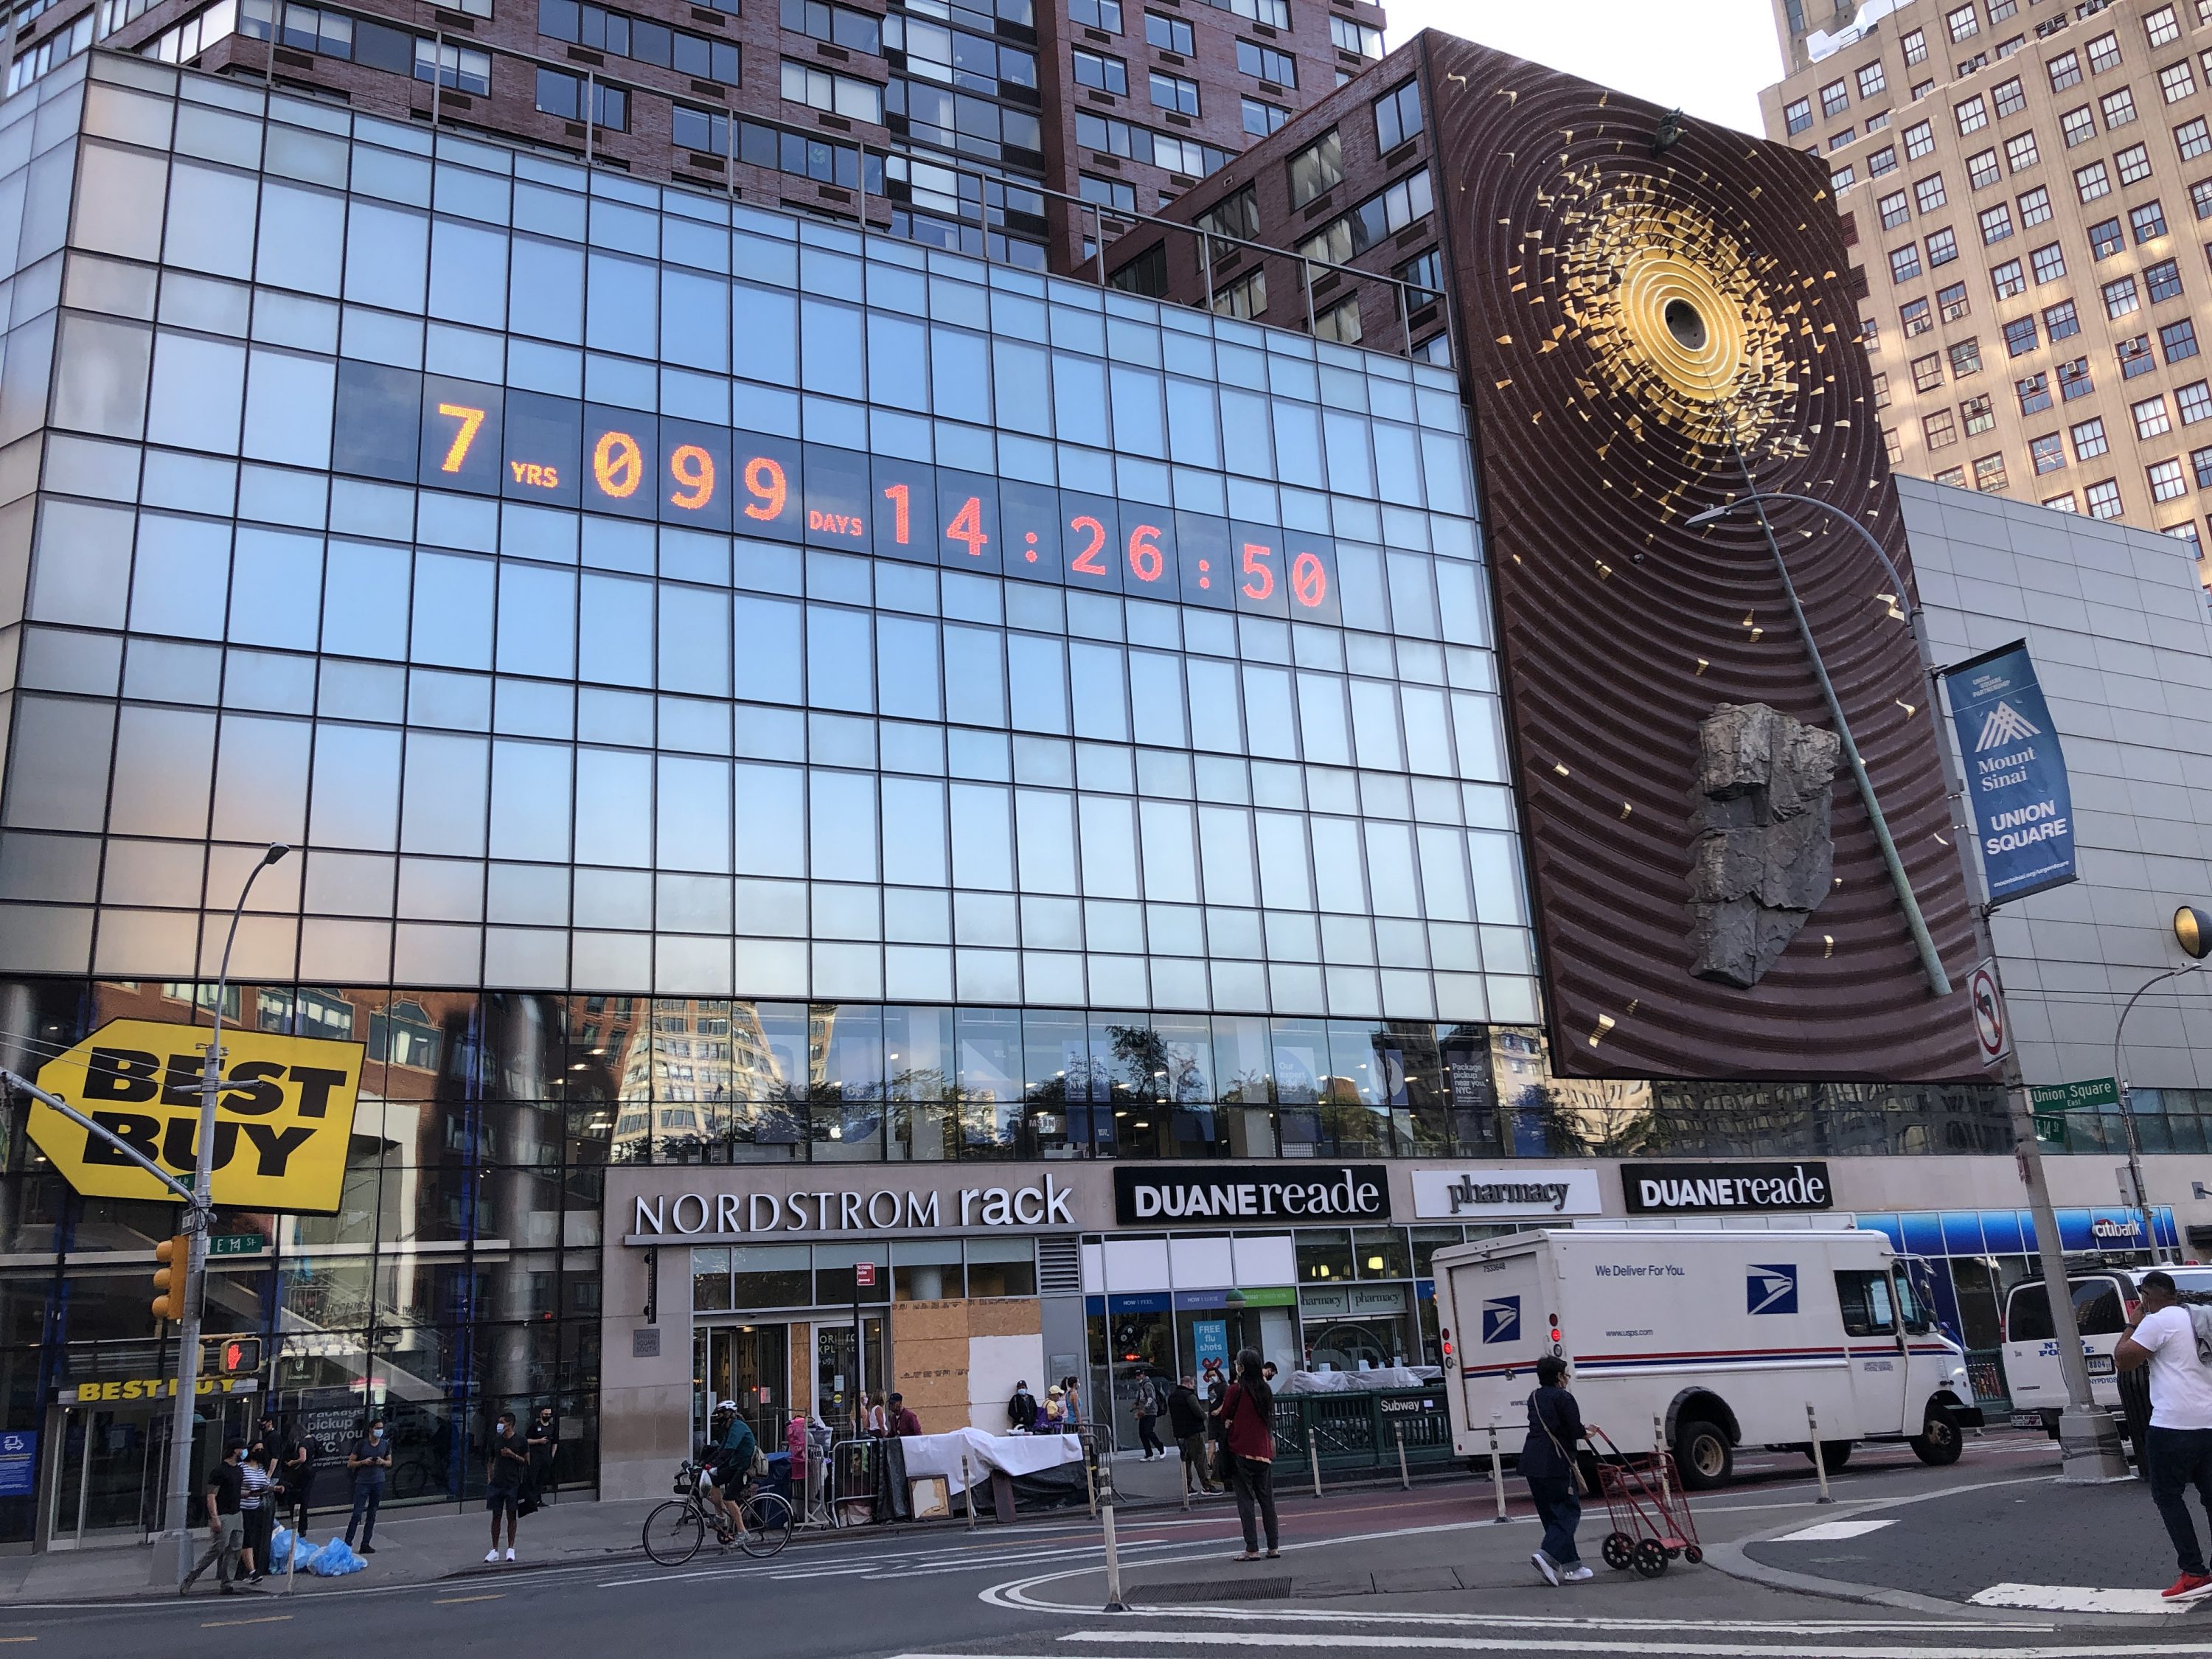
284 1117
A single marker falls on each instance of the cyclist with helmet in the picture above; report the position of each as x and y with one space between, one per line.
730 1467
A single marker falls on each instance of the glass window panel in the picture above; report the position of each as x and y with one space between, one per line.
1267 712
210 224
537 619
1359 587
960 375
365 601
623 309
1039 681
1156 683
1285 884
276 592
1045 828
199 393
1444 875
1019 374
1351 469
692 826
1413 599
975 676
453 611
913 832
546 290
1194 429
1109 847
1375 719
1224 836
261 780
164 758
839 655
771 812
1428 737
1245 425
831 354
905 665
1169 849
695 320
468 274
1100 698
288 409
614 807
1397 465
356 788
1321 720
530 800
1214 705
443 799
1138 429
616 630
1297 441
182 576
767 650
898 362
1079 399
982 844
695 640
844 825
1337 865
387 258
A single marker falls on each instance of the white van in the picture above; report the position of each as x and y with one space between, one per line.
1723 1337
2105 1300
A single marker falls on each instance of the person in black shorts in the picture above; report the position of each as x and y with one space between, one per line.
503 1476
730 1472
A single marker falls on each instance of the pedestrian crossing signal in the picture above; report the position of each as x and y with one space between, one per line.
232 1356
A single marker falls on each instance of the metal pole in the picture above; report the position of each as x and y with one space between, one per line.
1819 1457
437 75
196 1225
1497 1479
1931 964
1114 1601
1405 1480
2137 1191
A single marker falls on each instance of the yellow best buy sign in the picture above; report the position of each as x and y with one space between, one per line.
282 1118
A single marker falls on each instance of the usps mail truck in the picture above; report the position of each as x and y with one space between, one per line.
1723 1337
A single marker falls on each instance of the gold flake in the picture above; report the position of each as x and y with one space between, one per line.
1605 1023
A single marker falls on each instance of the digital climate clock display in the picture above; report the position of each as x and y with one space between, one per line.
458 435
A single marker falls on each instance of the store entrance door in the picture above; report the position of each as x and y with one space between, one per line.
845 1374
108 1466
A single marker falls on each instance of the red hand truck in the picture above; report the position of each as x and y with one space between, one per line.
1646 1507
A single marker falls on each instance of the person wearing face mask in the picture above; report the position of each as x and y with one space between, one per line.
370 1461
503 1474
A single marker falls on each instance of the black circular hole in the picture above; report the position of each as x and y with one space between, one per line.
1684 323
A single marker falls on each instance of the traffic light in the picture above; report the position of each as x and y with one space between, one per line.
175 1255
231 1355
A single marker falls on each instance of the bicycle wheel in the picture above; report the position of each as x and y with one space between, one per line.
674 1531
767 1525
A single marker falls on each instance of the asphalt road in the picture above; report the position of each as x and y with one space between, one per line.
1377 1571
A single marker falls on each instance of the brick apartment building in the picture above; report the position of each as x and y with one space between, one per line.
958 123
2024 183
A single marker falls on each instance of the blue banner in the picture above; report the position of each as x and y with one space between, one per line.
2015 772
19 1462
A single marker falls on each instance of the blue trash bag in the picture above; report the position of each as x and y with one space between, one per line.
334 1560
287 1547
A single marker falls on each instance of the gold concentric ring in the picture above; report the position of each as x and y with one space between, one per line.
1657 279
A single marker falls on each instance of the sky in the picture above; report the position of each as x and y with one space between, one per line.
1709 57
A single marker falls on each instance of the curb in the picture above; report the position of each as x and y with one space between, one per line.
1733 1559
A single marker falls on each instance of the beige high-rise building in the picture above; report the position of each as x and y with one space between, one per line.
2026 186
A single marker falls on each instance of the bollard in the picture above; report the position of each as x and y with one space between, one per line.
1090 1485
1114 1602
967 1487
1313 1455
1497 1479
1820 1461
1405 1480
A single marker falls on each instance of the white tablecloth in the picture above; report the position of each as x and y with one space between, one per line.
1016 1453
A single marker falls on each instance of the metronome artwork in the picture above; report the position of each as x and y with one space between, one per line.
1646 325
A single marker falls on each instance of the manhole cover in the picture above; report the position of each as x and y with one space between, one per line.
1226 1590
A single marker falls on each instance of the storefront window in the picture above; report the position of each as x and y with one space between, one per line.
771 1276
1379 1253
1324 1255
1001 1266
836 1285
711 1281
1427 1241
926 1270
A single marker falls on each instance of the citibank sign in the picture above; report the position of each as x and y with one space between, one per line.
1207 1196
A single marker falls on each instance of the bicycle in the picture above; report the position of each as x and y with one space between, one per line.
676 1528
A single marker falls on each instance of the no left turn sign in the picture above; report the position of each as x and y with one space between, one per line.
1992 1030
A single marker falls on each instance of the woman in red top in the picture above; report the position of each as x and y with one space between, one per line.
1247 1416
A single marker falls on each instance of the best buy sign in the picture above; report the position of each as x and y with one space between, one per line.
282 1118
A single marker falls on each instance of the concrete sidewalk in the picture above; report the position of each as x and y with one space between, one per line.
428 1544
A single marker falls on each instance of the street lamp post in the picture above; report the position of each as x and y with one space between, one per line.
1931 962
2137 1195
196 1227
2088 1439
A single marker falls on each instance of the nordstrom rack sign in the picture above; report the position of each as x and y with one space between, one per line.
703 1218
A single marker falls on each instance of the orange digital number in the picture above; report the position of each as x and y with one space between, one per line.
618 467
1255 564
693 469
1087 561
1309 579
1145 558
764 481
458 451
967 527
897 495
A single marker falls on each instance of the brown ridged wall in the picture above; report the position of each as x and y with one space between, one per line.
1595 447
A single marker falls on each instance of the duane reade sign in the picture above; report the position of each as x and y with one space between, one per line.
1695 1189
1263 1192
1450 1195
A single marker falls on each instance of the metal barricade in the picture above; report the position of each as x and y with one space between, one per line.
1985 1370
1358 1434
856 1469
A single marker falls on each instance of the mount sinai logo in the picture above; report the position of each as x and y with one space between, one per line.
2005 724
